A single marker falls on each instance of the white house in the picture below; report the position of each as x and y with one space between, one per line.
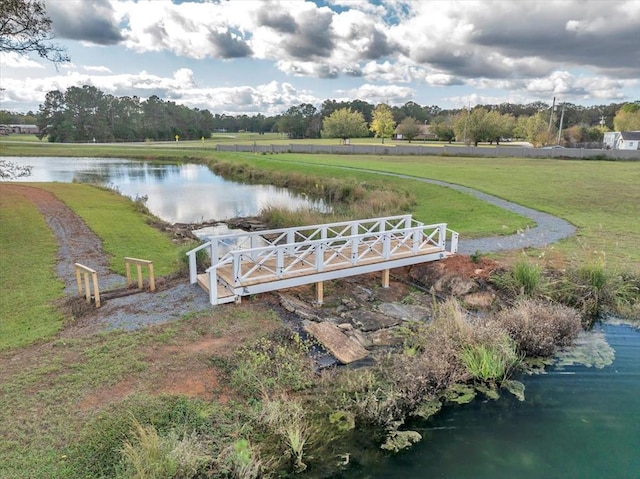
621 140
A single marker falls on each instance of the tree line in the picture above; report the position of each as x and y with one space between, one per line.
85 114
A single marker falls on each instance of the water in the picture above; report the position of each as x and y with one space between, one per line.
577 422
177 193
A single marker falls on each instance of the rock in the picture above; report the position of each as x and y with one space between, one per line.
342 347
345 326
359 336
386 337
455 285
372 321
298 307
481 300
404 312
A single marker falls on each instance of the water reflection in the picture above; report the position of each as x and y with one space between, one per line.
176 193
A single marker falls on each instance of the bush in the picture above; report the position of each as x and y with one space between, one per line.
490 362
539 327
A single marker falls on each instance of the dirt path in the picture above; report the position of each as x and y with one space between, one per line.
76 242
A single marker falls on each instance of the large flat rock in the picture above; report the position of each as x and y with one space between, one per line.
342 347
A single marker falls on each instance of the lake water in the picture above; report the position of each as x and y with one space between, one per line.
576 422
177 193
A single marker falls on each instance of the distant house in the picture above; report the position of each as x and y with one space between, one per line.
425 134
621 140
20 129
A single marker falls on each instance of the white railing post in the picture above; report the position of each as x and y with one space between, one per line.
253 243
442 235
291 238
279 262
213 285
418 234
454 242
386 246
237 261
214 251
319 256
193 271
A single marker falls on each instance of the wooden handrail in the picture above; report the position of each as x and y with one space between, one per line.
82 277
139 264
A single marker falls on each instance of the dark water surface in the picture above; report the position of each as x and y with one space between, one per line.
177 193
576 422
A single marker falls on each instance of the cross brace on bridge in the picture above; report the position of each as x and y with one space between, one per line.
248 263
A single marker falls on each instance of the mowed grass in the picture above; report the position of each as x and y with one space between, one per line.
119 225
601 198
27 273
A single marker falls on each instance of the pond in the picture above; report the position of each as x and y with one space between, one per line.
177 193
576 422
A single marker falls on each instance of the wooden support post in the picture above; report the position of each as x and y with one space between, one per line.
96 291
385 278
320 292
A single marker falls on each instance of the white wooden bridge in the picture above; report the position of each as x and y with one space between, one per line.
255 262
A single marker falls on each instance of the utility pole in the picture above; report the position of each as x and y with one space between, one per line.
553 108
561 121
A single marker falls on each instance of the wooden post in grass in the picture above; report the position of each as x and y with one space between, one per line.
320 292
139 264
385 278
82 276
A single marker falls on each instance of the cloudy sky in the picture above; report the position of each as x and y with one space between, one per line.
261 56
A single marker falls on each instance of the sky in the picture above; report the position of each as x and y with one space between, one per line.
259 56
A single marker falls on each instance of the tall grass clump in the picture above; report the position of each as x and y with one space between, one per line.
539 327
492 362
148 455
595 291
523 279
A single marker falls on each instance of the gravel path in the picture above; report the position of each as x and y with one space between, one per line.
548 229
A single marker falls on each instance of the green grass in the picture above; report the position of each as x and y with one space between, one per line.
122 229
45 394
27 274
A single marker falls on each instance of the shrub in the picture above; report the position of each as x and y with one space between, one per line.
539 327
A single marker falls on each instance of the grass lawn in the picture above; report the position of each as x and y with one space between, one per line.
602 198
27 274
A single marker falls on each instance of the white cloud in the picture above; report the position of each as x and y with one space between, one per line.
15 60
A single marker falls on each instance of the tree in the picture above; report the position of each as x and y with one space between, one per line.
382 125
302 121
25 28
344 124
409 128
442 127
627 118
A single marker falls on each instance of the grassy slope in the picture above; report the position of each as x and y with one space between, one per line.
27 273
122 229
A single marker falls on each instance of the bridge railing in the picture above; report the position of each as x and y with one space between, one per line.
308 249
